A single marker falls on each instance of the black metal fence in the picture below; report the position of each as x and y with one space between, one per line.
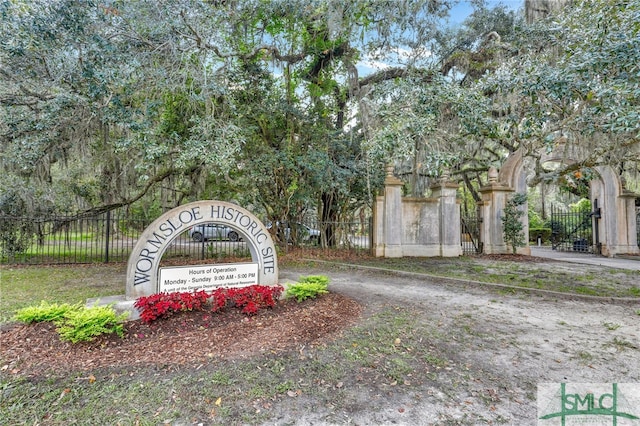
110 237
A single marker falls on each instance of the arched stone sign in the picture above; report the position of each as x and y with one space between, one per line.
142 269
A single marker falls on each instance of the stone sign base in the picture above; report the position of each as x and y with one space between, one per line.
120 305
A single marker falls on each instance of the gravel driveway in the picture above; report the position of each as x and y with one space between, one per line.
500 345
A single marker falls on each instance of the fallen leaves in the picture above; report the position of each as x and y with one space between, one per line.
62 395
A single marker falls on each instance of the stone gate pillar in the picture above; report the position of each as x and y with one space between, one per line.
512 175
416 226
617 225
387 218
494 199
392 215
449 216
629 243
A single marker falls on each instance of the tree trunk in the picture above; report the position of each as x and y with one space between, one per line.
329 217
535 10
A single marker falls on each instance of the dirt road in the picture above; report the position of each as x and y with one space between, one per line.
496 346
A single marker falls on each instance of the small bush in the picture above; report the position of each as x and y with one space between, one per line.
75 323
51 312
85 324
512 228
163 305
251 299
544 233
308 287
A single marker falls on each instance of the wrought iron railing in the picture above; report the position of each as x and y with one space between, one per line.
572 231
110 237
470 234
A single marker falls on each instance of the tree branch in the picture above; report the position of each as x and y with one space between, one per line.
273 51
128 201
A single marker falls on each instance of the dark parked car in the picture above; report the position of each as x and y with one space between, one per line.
301 233
212 231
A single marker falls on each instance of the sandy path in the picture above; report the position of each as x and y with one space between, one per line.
500 346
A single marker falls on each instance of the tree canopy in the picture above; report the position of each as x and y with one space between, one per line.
274 104
581 95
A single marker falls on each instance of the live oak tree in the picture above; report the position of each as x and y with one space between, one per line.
108 104
580 97
566 82
315 46
439 118
115 103
88 98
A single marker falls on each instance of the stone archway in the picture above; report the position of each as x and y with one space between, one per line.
142 268
495 194
512 175
617 224
617 227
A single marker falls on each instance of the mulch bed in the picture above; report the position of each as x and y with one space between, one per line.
188 338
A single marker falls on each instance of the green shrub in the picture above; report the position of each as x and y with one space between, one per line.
85 324
535 221
545 233
75 323
308 287
45 312
582 206
512 228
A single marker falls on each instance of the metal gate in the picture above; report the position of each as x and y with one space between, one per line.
575 231
470 234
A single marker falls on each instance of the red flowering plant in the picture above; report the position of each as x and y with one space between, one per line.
249 299
218 299
162 305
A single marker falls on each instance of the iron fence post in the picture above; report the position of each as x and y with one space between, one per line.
106 237
596 231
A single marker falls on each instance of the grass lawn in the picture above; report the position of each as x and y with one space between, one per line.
24 286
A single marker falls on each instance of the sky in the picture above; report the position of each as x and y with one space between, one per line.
463 9
457 16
